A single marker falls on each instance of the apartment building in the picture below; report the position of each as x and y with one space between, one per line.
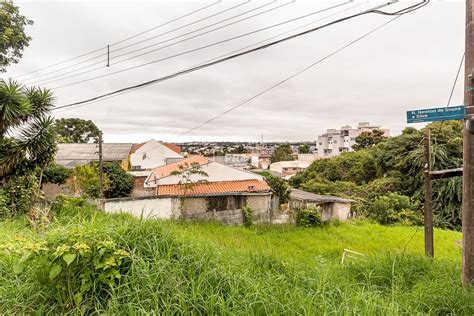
336 141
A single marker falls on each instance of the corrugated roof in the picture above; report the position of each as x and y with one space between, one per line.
311 197
214 188
70 155
166 170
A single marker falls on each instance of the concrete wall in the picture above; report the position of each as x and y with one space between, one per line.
192 208
334 210
162 208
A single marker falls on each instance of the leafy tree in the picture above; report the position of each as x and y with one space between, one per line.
280 187
56 174
282 153
303 149
368 139
24 113
13 38
121 183
189 171
394 208
240 150
87 182
75 130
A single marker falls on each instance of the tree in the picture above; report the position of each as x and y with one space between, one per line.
87 182
282 153
13 38
303 149
240 150
280 187
24 112
121 183
187 172
368 139
56 174
76 130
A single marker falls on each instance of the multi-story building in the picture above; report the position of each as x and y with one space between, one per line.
336 141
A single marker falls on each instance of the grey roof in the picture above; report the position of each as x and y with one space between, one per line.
71 155
311 197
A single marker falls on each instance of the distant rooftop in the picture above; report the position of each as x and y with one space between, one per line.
71 155
316 198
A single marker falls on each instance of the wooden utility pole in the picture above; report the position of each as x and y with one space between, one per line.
101 174
468 156
429 245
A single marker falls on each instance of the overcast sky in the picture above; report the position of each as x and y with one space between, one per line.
409 64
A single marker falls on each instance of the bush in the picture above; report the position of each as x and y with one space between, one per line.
19 195
121 183
309 217
393 208
280 187
86 180
56 174
247 214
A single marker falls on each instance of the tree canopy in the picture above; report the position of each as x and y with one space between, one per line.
368 139
76 130
303 149
13 38
282 153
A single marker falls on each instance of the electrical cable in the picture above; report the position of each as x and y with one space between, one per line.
227 40
133 36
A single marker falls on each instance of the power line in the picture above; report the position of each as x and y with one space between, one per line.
209 45
226 54
232 52
105 55
261 47
121 41
455 80
48 80
289 77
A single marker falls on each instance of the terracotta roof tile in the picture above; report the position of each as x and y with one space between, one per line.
173 147
166 170
214 188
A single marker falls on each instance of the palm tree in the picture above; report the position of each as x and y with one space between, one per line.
27 138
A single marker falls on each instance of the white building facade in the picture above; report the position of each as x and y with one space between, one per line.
336 141
151 155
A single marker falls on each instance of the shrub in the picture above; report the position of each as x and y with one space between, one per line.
247 214
280 187
86 180
19 195
393 208
121 183
76 267
309 217
56 174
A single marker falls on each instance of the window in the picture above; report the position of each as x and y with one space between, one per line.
353 139
136 168
335 141
321 143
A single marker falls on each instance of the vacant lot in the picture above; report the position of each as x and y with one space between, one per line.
207 268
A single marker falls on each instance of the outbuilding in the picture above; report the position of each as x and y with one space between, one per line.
332 207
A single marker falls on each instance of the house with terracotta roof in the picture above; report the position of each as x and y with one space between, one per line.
217 192
146 156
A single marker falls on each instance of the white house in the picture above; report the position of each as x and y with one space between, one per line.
216 172
334 142
153 154
289 167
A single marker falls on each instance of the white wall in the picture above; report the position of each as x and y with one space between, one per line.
148 208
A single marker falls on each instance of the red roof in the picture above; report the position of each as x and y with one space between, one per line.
135 147
173 147
214 188
166 170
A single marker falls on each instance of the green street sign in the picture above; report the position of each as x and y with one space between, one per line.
436 114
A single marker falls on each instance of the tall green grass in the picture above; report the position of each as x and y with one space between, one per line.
208 268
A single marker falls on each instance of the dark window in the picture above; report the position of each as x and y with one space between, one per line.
222 203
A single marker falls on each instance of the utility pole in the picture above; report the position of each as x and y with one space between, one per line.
468 155
429 247
101 174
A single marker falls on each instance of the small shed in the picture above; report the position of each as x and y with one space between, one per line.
331 206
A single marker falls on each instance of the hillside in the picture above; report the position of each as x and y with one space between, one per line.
208 268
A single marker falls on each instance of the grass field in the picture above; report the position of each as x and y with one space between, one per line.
208 268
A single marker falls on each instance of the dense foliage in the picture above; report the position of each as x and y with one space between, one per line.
56 174
279 186
394 165
303 149
368 139
75 130
309 217
12 34
121 183
282 153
